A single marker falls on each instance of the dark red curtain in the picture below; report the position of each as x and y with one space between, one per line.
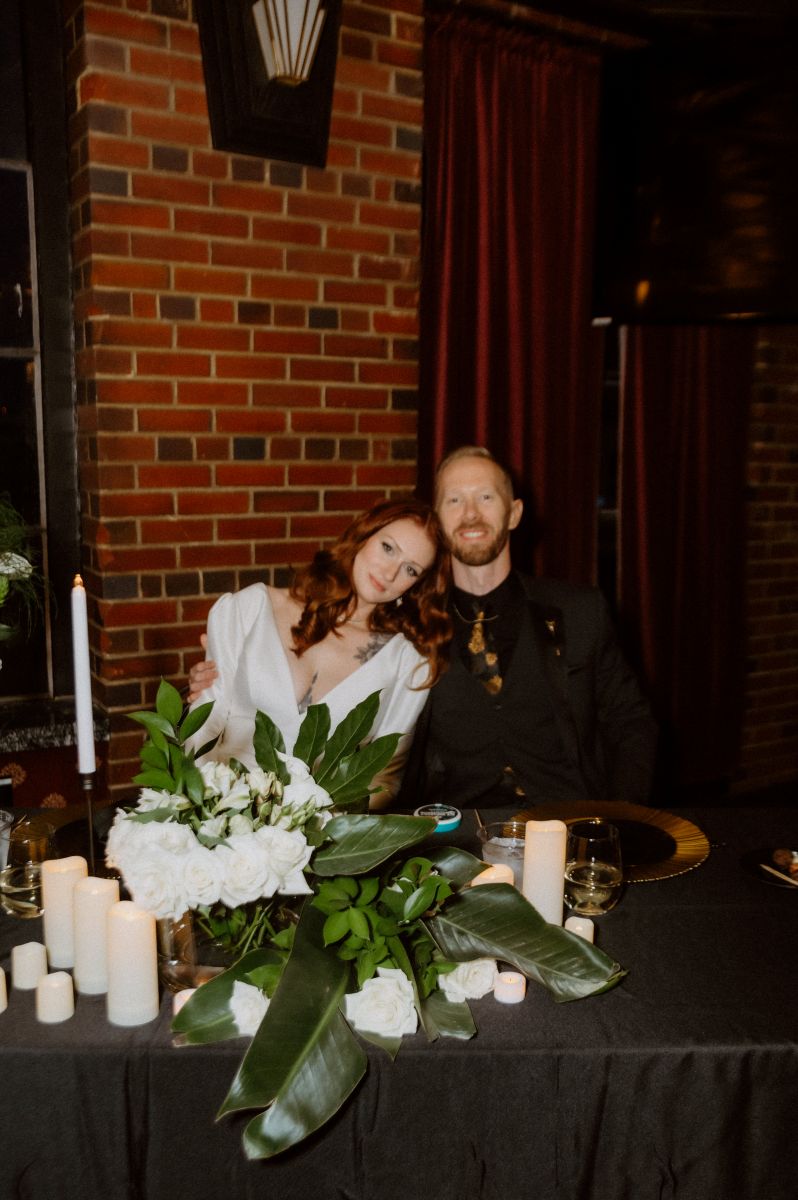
508 355
685 396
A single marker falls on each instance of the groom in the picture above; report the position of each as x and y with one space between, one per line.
538 704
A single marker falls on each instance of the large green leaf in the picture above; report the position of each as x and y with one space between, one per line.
347 736
266 741
206 1017
312 734
457 865
446 1018
496 921
355 773
303 1061
362 841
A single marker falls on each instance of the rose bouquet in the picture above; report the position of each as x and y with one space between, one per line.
388 936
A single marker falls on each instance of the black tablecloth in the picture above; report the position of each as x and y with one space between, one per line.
681 1083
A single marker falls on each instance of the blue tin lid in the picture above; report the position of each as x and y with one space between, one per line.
446 817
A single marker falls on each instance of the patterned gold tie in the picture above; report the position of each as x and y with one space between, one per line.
484 660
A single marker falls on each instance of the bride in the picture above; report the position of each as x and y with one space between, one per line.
366 615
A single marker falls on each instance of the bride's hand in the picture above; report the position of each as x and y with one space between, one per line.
201 675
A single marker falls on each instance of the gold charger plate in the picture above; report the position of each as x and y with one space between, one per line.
654 844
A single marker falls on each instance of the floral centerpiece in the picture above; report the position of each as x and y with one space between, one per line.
18 577
384 936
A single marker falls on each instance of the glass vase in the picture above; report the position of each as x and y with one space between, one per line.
187 954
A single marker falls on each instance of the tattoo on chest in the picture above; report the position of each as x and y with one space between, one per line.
306 701
375 643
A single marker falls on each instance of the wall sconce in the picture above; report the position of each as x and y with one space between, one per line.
250 52
288 31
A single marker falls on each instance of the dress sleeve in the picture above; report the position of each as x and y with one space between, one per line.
226 636
400 706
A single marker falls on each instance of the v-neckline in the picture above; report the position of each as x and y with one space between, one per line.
287 665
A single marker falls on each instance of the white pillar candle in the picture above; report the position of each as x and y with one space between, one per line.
59 876
510 987
582 926
55 998
84 717
28 964
544 868
3 991
92 899
132 965
498 873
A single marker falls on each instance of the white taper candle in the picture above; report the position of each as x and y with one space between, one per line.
84 717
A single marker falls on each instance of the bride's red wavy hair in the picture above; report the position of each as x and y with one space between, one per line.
324 588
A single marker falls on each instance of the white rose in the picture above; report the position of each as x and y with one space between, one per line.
169 835
240 823
218 777
152 798
214 827
202 877
384 1005
470 980
248 1006
123 836
247 873
261 782
153 882
236 797
297 769
288 852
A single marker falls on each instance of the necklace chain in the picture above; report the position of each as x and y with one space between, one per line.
474 620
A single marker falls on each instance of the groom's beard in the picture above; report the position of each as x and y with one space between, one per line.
482 553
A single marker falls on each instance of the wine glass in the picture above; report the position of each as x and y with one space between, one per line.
32 840
593 870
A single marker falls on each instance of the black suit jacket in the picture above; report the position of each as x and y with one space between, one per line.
604 721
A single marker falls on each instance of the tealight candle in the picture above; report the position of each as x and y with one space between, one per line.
28 964
510 987
59 876
92 899
55 998
498 873
3 991
582 926
132 965
544 868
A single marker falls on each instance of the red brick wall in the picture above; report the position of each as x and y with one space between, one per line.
245 329
770 740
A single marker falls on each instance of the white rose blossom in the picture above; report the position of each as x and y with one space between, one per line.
202 877
248 1005
261 782
214 827
237 797
218 777
384 1005
288 853
303 786
240 823
154 884
14 566
247 872
469 980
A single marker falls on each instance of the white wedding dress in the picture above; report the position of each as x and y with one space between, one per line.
254 674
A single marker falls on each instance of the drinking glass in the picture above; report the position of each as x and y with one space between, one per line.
503 842
593 870
6 821
31 841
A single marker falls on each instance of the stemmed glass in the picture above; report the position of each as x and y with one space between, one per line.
593 869
31 842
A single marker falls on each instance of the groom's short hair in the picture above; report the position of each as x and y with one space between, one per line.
473 452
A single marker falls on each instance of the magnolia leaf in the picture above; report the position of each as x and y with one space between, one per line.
312 735
347 737
169 703
267 742
354 773
458 866
362 841
389 1045
303 1061
446 1018
194 720
155 779
206 1016
496 921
